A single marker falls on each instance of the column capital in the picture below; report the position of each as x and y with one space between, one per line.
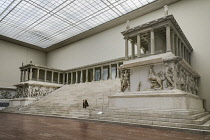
126 37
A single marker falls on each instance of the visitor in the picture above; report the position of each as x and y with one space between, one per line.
86 103
83 104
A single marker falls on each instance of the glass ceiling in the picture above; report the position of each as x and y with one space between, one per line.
47 22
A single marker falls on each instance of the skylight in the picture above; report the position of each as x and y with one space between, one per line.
47 22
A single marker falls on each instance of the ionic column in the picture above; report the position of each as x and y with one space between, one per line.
168 39
76 76
126 48
133 50
152 41
86 75
172 42
71 77
93 74
180 48
37 76
30 75
63 78
102 73
21 76
52 76
45 76
24 76
81 77
183 48
177 46
58 77
138 45
27 73
67 78
118 72
187 55
110 71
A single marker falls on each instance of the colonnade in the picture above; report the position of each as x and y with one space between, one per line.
72 76
172 41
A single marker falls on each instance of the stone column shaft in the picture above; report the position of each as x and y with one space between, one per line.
81 77
86 75
102 73
63 78
52 76
24 76
118 72
58 77
183 51
71 77
45 76
133 50
21 76
152 41
138 45
94 74
67 78
27 75
110 71
177 46
76 76
30 76
180 48
126 48
168 39
37 76
172 42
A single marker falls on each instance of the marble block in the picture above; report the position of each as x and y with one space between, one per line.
156 100
21 102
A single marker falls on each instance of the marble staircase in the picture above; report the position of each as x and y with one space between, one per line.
184 119
67 100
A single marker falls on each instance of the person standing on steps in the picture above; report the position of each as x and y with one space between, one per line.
86 103
83 104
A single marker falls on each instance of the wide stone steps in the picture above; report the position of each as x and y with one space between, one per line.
190 119
136 118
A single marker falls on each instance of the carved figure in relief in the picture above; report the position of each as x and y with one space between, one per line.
169 77
5 95
196 87
125 80
187 82
139 86
156 79
181 79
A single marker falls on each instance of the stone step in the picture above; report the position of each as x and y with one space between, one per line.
154 123
198 121
151 116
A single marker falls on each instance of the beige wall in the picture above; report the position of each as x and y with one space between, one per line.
11 58
193 18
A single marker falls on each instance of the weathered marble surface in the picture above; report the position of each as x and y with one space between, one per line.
35 89
156 100
161 72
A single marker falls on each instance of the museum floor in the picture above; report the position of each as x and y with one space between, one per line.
27 127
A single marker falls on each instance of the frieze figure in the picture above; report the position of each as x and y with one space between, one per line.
139 86
169 73
156 79
125 80
196 87
5 95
